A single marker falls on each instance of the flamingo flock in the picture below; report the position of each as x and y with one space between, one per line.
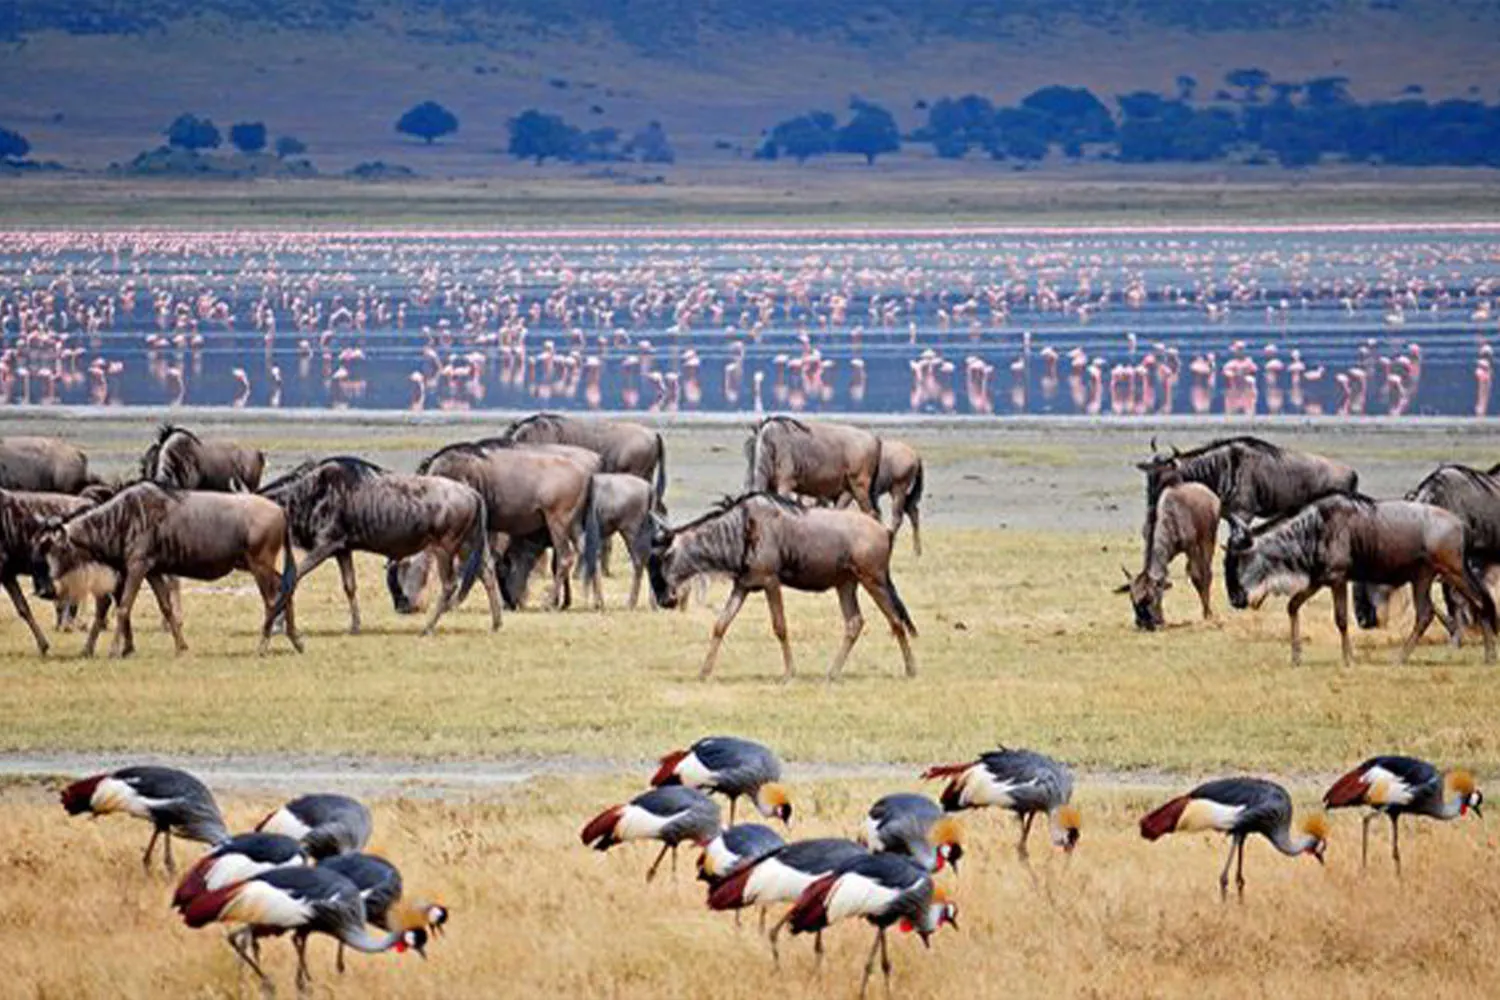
1298 322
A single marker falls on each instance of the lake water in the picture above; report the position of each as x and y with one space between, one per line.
1001 322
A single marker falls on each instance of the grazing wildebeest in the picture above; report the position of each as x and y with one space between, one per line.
621 446
525 490
763 541
43 465
1187 521
148 532
1475 497
180 458
1343 537
22 516
342 505
624 505
821 461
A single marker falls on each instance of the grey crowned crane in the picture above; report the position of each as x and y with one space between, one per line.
1396 785
302 901
380 886
884 889
1239 807
326 824
671 815
1025 782
172 800
782 877
242 856
734 849
732 767
914 826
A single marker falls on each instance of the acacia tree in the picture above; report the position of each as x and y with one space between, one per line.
13 145
870 132
190 132
248 137
428 121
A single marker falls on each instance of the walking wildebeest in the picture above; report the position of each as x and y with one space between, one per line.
43 465
1343 537
1187 521
624 505
621 446
148 532
763 541
339 506
821 460
22 516
1475 497
180 458
525 490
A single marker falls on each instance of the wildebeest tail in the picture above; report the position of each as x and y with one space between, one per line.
288 572
1486 602
593 539
900 605
875 478
479 550
914 495
661 474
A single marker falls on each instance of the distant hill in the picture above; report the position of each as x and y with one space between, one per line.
91 82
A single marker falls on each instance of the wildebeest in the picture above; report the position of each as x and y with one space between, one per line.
624 506
148 532
1343 537
1252 478
821 461
525 490
180 458
1187 521
763 541
621 446
22 516
338 506
43 465
1472 495
901 478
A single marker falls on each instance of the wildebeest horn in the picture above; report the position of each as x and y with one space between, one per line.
1153 444
1128 577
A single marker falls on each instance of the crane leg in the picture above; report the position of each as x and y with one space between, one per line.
150 847
1239 872
1224 875
237 942
733 801
1021 850
304 975
167 840
885 963
1396 842
674 862
339 964
775 933
864 984
762 919
1364 840
818 950
651 872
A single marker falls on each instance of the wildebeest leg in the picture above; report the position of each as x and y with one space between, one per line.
346 570
1457 617
726 617
898 501
163 591
854 624
449 581
491 592
1471 586
1201 572
316 558
18 598
778 625
101 617
1292 608
878 593
860 487
1421 599
1341 619
563 559
133 578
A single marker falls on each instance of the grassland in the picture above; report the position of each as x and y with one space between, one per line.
926 194
1021 642
536 914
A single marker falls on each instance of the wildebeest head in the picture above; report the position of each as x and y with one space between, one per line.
1145 597
1257 566
664 566
1241 543
63 569
406 579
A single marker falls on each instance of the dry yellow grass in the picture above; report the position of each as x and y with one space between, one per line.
537 914
1021 641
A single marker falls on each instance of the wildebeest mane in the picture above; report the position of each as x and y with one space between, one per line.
478 448
1431 486
728 503
782 419
354 468
1319 503
535 420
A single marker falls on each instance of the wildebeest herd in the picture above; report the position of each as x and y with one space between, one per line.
473 511
1317 530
